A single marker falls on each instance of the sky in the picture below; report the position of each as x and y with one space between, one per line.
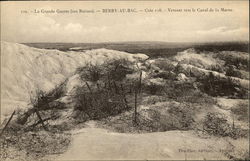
17 26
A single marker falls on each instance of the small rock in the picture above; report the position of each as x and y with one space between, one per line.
182 77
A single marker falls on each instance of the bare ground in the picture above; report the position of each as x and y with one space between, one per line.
93 143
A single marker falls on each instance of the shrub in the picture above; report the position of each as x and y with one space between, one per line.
153 89
99 102
112 70
174 89
106 91
186 92
196 96
42 101
241 111
181 117
180 69
117 69
33 144
216 86
175 117
164 64
231 71
216 124
91 72
238 59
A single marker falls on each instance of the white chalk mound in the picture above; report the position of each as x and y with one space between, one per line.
190 56
25 69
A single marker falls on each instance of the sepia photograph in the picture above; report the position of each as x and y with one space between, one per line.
124 80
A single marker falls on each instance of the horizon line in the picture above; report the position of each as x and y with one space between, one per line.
113 42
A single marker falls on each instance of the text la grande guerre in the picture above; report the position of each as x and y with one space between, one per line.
132 10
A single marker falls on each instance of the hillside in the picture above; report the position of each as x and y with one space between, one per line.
25 69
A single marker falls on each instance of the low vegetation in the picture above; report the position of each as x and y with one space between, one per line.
241 111
216 124
216 86
106 91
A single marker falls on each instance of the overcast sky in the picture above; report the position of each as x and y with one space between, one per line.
101 27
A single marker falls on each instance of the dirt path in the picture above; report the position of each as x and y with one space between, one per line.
99 144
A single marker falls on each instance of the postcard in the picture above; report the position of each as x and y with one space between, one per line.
124 80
